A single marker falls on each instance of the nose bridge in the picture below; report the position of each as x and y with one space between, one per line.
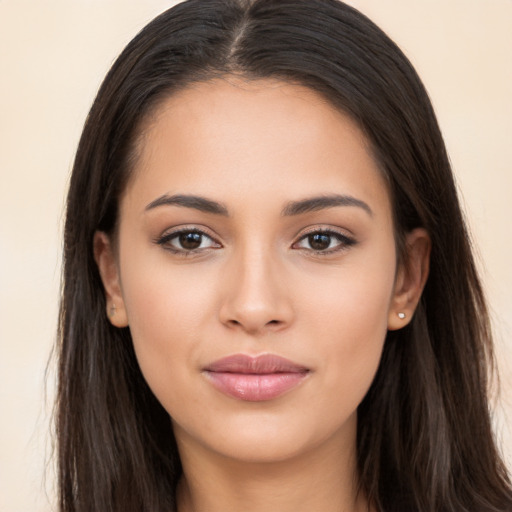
257 295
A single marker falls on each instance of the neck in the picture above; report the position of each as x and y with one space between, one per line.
323 479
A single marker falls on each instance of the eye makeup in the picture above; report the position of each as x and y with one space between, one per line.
190 240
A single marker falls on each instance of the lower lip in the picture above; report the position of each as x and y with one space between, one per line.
255 387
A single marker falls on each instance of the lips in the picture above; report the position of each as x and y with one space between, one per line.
255 379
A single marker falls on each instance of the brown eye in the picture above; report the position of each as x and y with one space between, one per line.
319 241
190 241
325 242
187 241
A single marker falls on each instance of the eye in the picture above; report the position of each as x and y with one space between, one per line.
187 241
324 241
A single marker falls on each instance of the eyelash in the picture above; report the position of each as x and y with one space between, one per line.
165 241
344 241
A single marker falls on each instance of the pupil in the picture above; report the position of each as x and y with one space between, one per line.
319 241
190 240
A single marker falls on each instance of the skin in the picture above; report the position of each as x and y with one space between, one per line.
256 286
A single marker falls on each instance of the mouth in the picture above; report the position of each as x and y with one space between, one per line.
255 379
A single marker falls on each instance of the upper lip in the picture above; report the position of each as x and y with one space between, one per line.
262 364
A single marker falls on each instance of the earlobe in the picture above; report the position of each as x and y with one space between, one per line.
108 268
410 279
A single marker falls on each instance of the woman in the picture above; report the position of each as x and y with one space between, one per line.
269 299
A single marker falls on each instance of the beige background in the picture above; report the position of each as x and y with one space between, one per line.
53 55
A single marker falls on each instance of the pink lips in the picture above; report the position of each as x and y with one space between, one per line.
255 379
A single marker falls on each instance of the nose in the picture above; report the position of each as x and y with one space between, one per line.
256 296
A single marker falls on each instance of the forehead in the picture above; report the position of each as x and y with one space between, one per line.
230 136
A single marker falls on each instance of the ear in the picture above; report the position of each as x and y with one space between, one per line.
410 279
104 256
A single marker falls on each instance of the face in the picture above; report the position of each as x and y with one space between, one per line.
255 267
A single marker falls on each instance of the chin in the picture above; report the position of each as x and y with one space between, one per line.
265 438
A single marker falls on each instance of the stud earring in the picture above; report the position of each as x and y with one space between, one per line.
112 311
401 315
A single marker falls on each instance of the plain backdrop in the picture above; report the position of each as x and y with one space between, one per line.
53 56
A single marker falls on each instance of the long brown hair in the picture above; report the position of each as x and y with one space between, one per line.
425 441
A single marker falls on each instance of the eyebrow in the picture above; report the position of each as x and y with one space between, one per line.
314 204
189 201
292 208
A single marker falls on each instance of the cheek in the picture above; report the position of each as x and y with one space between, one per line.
353 298
167 309
348 316
161 295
